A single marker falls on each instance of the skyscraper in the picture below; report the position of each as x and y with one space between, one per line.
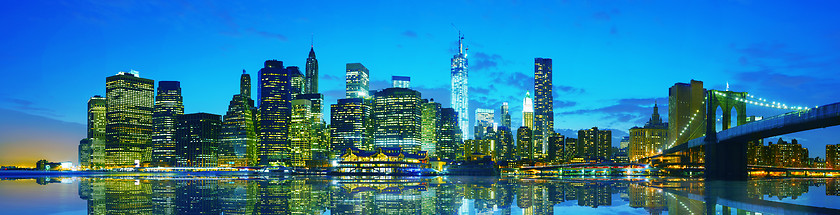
311 72
401 81
197 137
238 141
832 156
128 132
396 116
348 123
650 139
275 112
483 120
505 150
543 105
684 100
298 81
168 106
357 81
460 99
527 111
524 143
429 127
300 132
594 144
448 137
504 112
92 148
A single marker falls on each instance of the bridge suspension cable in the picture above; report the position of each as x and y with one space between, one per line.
687 125
751 99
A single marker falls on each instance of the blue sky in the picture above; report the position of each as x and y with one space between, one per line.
612 59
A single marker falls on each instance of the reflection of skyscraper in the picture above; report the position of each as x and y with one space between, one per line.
275 111
197 137
543 106
483 120
130 102
460 86
168 106
448 137
594 195
357 81
396 119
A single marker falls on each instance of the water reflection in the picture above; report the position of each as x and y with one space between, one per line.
452 195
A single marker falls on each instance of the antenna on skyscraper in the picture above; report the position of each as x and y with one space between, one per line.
312 40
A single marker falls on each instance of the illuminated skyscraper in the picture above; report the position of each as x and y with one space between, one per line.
527 111
275 112
832 156
348 123
483 120
168 106
311 72
684 100
594 144
524 143
429 127
448 137
298 81
357 81
128 131
543 106
650 139
396 116
504 145
238 146
460 100
197 137
504 112
300 132
92 148
401 81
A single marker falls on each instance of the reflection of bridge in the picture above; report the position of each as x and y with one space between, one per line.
725 151
734 195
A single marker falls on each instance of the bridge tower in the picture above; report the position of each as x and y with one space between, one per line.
725 160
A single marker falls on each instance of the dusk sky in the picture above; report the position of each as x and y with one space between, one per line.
611 59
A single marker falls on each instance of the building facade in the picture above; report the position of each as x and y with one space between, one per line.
92 148
832 156
449 135
685 100
275 112
169 104
311 72
429 127
504 114
300 132
648 140
130 101
357 79
543 105
239 142
197 137
524 143
396 116
400 82
528 111
460 86
594 144
349 119
483 119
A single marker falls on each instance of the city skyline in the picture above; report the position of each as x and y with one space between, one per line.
576 101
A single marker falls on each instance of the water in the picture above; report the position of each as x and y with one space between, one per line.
185 194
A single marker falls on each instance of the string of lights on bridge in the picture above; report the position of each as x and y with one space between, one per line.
750 99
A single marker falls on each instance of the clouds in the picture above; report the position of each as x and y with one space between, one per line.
409 34
269 35
635 111
482 61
